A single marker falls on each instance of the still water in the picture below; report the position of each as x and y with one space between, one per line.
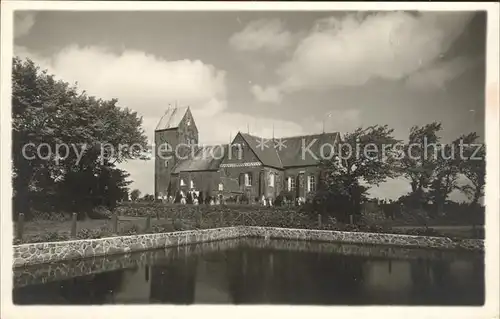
249 274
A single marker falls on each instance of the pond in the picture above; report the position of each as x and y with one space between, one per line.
259 271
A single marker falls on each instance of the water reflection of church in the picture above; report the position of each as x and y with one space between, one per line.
251 276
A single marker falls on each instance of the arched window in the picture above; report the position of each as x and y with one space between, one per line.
271 179
248 179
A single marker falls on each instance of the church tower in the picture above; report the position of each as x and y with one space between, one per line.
175 130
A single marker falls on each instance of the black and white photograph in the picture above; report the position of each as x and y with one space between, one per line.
232 157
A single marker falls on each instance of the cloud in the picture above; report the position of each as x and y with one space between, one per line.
342 121
23 22
354 49
227 124
267 95
148 84
142 82
268 35
439 74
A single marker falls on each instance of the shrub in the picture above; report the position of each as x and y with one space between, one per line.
53 216
94 233
178 197
189 198
245 199
167 228
278 201
373 216
100 212
46 237
130 229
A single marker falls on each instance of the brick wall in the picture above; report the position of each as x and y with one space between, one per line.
184 134
162 169
300 176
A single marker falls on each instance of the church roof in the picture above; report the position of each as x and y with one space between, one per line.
266 154
293 147
206 158
172 118
295 152
290 154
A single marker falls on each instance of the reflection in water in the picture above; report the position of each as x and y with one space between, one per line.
263 276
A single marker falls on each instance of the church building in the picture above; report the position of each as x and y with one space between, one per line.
249 166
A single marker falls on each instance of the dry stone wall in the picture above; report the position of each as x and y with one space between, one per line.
38 253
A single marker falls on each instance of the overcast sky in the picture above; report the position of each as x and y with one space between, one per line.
287 69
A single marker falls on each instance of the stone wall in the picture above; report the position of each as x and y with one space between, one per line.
36 253
361 238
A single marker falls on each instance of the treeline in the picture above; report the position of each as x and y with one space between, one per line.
64 142
432 168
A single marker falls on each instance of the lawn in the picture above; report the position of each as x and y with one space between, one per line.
40 227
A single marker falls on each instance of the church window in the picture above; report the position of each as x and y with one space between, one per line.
191 184
248 179
311 183
182 182
237 151
291 183
221 187
271 179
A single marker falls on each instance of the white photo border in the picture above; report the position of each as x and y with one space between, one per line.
491 306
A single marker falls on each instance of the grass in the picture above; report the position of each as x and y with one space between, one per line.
63 228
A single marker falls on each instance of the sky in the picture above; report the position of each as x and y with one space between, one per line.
288 72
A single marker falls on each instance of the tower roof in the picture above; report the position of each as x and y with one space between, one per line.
172 118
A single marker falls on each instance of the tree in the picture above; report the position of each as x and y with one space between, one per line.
87 130
434 168
418 162
446 172
474 168
135 194
346 170
115 186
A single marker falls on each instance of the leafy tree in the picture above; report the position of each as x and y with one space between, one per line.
419 157
434 168
474 168
135 194
342 177
52 112
118 183
447 169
